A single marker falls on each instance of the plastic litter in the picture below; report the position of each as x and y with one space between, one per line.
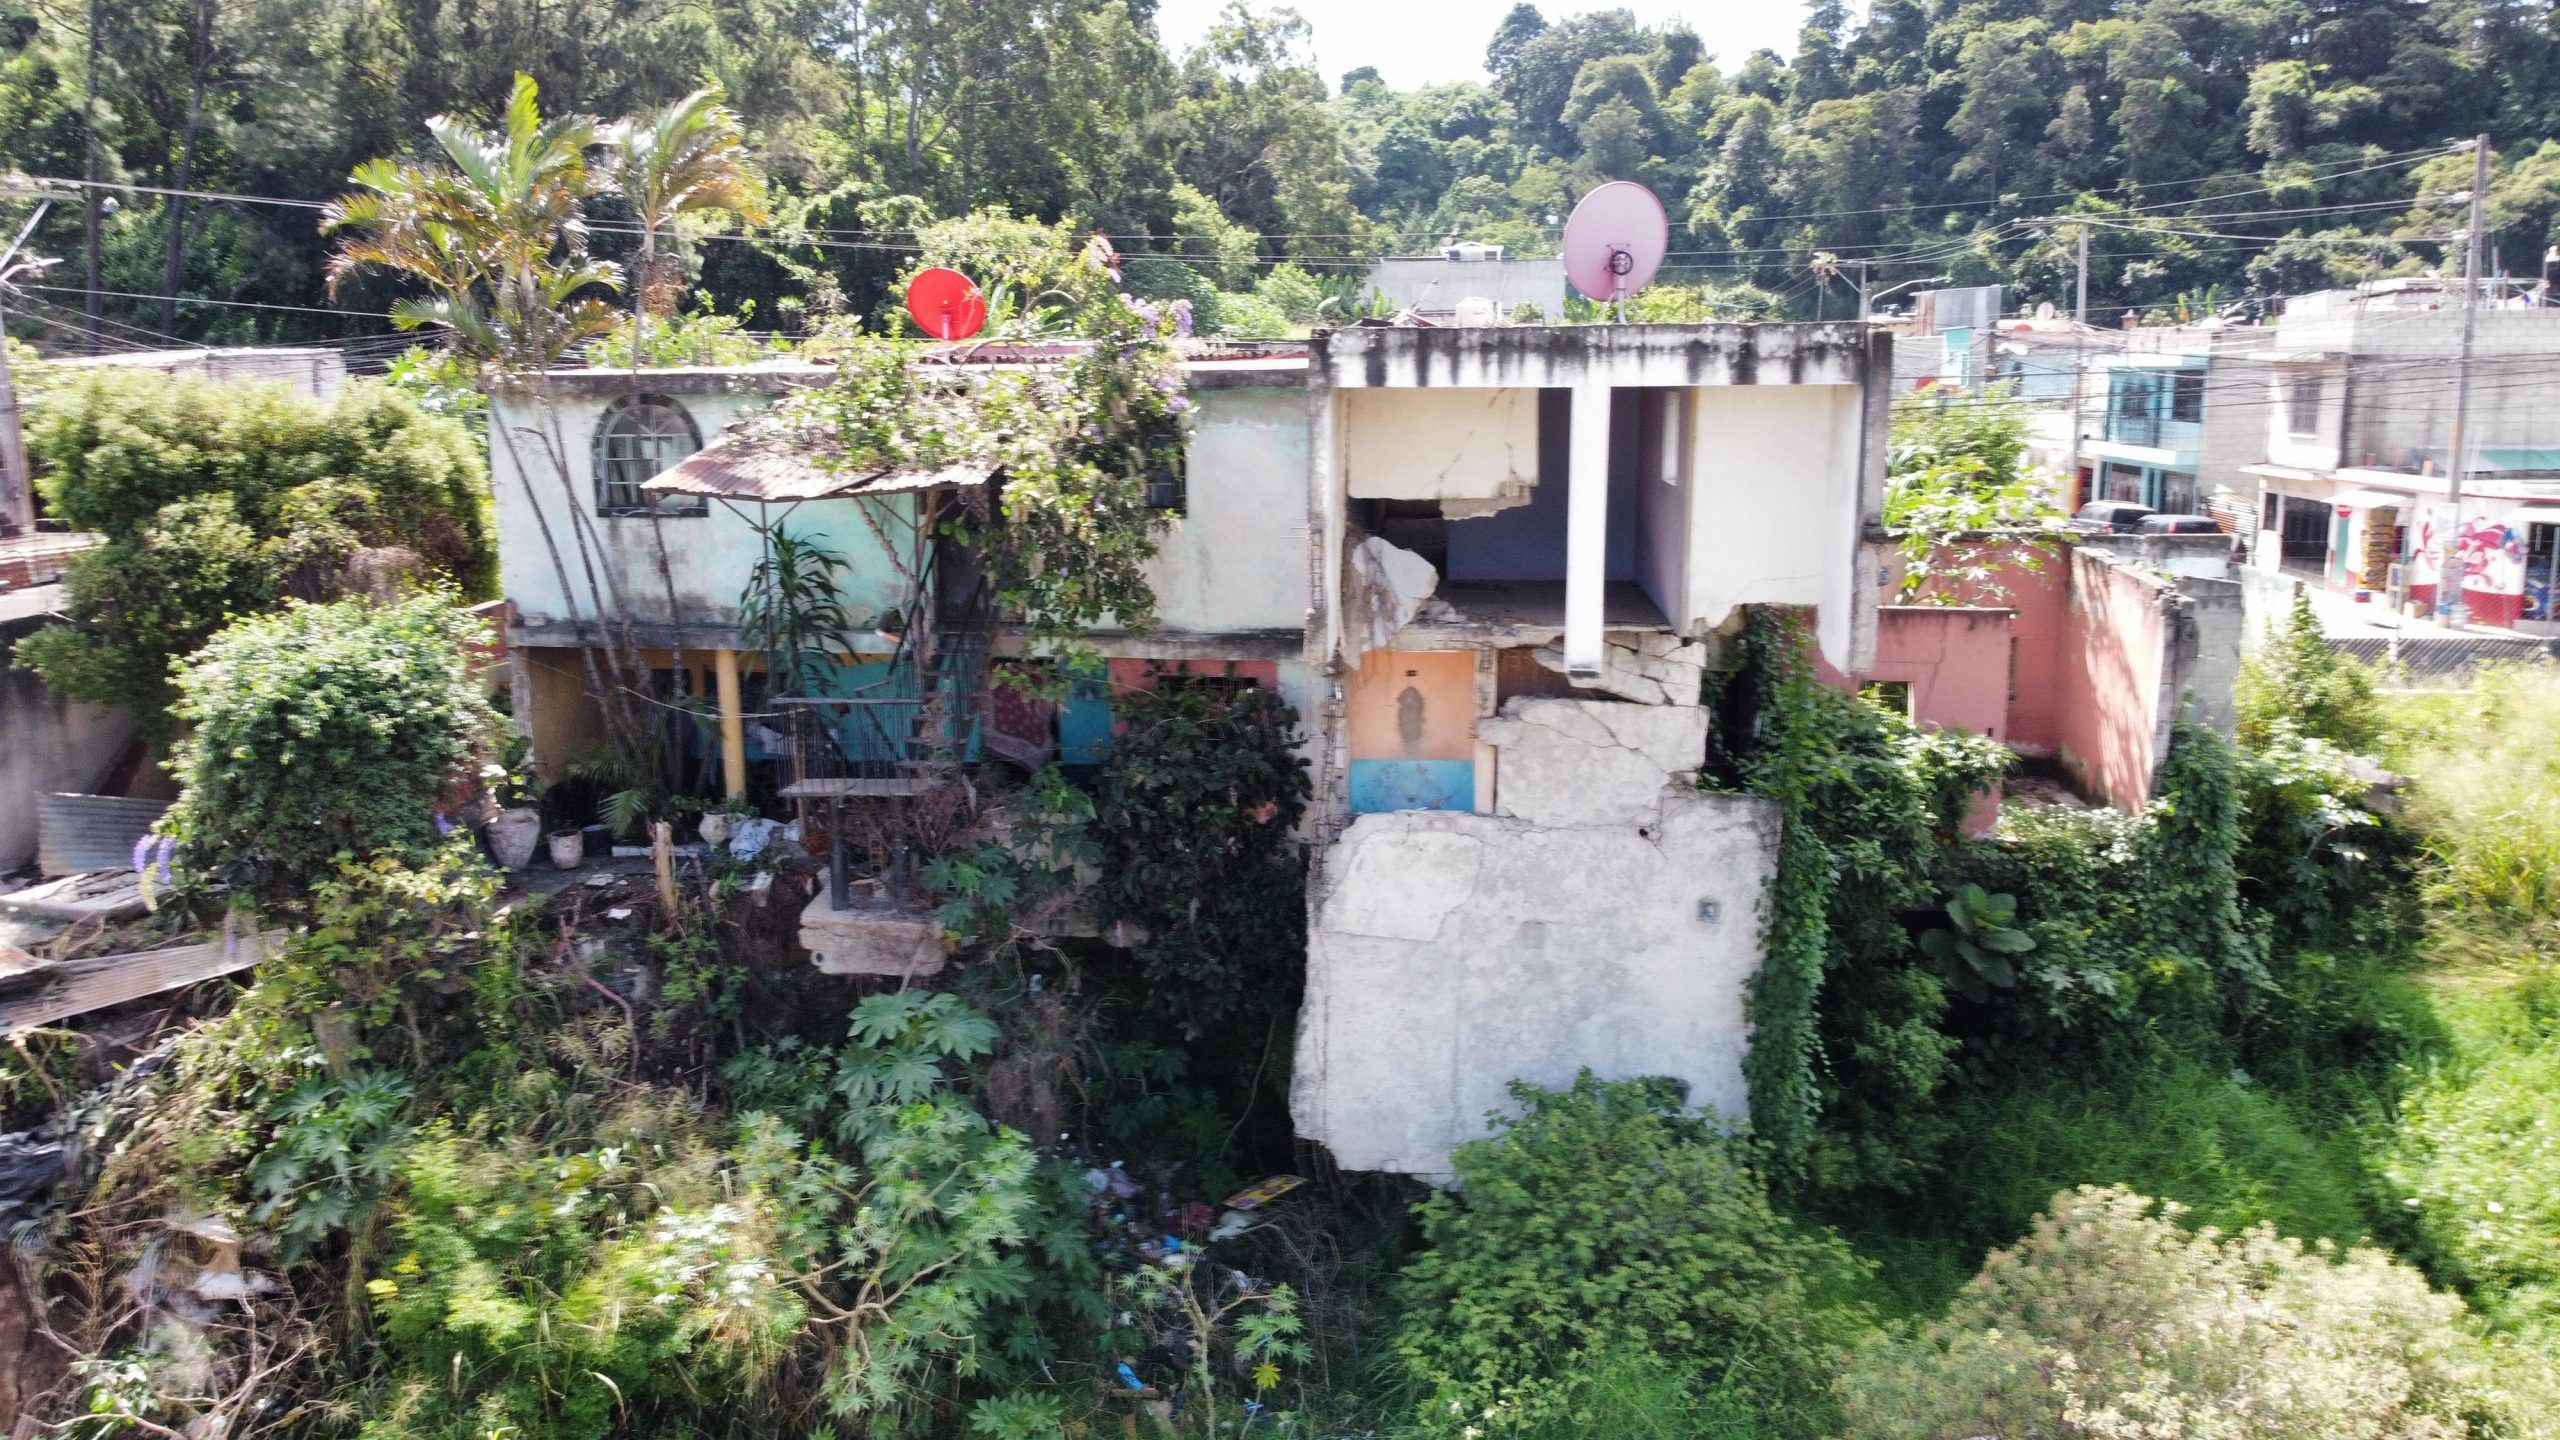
748 838
1263 1192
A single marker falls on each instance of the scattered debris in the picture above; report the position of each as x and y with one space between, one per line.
58 991
97 894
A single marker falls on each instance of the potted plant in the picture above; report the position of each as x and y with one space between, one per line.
721 821
517 825
568 849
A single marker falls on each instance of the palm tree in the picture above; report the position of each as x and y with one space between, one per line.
687 158
496 232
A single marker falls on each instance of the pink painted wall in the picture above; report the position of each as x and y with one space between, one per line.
2113 681
2034 585
2067 657
1128 675
1956 660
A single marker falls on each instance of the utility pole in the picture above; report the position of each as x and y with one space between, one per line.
17 482
1866 308
2449 604
92 215
2079 367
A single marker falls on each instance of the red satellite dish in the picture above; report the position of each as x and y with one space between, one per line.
1615 240
946 304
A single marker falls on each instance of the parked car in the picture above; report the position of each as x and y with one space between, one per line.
2116 516
2177 525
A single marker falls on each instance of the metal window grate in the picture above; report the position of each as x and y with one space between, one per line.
639 436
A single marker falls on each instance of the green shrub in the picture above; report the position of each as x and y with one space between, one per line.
141 602
218 500
2296 678
1247 316
1196 812
1608 1223
324 731
1292 291
114 448
2111 1322
580 1293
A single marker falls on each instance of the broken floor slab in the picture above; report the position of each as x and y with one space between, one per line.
872 936
1455 953
1648 668
1592 762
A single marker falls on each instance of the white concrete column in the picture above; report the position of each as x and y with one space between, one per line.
1586 566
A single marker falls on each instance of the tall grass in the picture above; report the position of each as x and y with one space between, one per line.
2487 798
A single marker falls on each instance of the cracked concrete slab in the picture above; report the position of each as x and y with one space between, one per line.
1646 669
1591 762
1455 953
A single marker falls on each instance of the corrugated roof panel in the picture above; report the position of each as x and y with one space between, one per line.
90 832
763 474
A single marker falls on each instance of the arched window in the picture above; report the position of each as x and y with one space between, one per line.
639 436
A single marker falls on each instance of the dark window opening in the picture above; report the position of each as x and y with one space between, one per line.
2186 395
1889 695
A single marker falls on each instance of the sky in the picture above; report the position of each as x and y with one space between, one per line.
1433 42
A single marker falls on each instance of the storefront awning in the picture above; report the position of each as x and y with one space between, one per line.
2534 515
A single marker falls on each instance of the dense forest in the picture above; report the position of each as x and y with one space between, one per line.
2226 149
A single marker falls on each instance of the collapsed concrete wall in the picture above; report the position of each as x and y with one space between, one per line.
1605 917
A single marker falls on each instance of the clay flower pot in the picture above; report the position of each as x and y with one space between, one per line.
568 849
511 835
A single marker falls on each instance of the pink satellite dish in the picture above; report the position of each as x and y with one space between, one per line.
1615 240
946 304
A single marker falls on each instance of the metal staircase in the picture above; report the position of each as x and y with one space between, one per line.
899 737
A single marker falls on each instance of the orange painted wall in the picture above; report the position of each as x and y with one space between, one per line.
1437 723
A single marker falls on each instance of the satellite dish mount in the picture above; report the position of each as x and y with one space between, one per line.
1614 243
946 304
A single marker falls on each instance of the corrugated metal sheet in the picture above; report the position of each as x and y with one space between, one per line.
733 470
90 832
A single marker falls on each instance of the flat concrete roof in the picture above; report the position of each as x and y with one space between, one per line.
1286 371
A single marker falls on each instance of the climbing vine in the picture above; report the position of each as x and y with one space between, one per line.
1869 809
1066 526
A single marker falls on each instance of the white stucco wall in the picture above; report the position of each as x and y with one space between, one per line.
1451 954
2316 446
710 556
1454 446
1236 559
1775 502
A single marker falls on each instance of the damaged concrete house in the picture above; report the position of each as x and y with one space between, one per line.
1487 566
1526 542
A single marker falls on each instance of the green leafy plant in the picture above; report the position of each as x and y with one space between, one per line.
790 611
2108 1319
1963 508
1604 1222
326 731
1196 813
2294 678
1978 949
221 500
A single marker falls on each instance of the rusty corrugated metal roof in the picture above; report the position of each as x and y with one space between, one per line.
75 833
766 474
